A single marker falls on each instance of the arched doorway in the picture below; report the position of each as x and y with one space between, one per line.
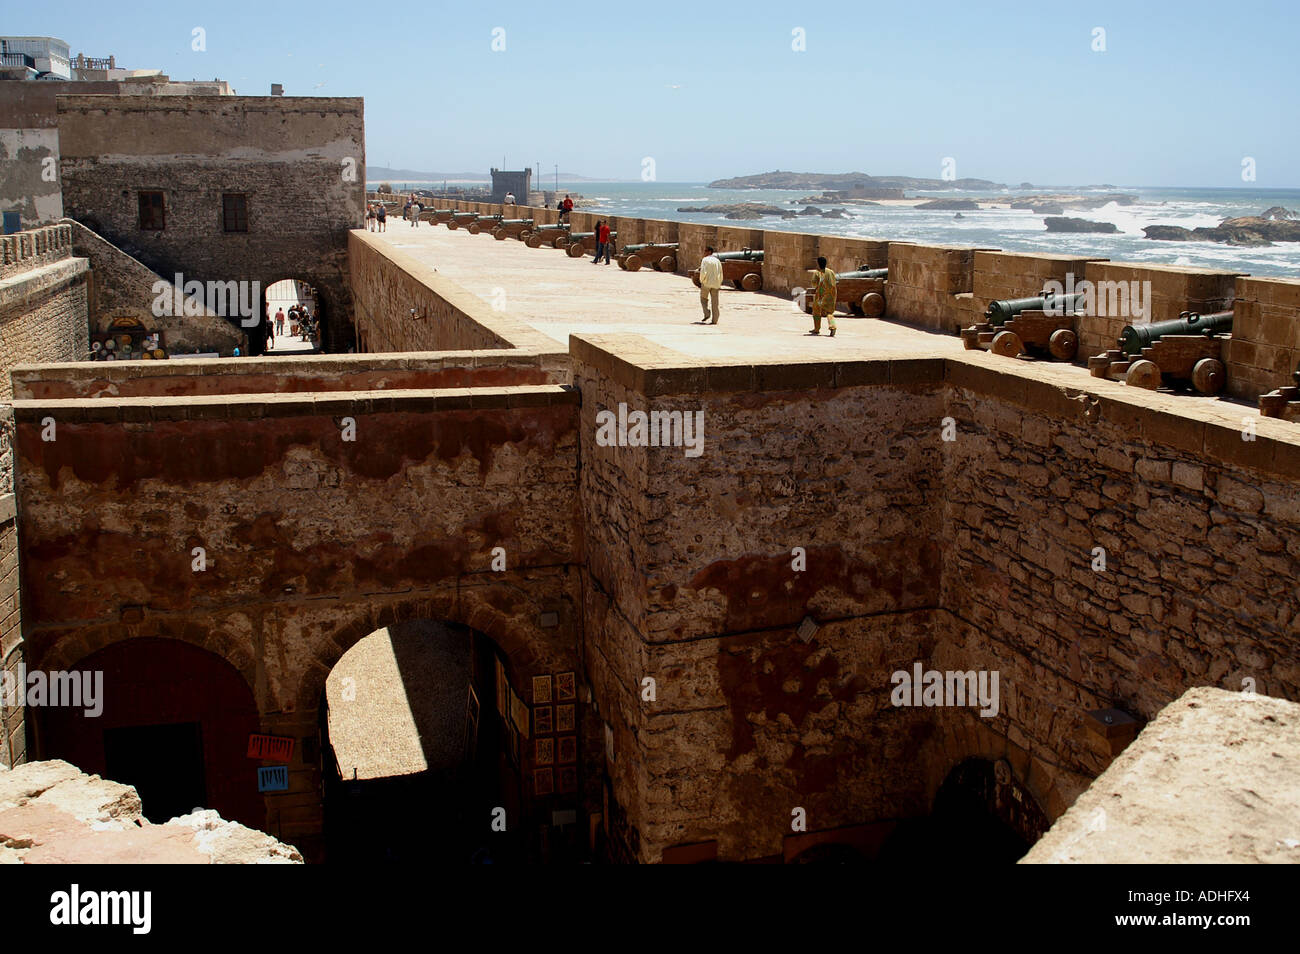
415 756
980 811
295 317
174 724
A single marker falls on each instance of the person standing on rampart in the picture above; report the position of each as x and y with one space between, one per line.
823 298
710 283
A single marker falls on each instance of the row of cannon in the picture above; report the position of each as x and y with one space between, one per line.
1176 353
859 292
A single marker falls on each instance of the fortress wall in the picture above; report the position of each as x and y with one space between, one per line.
970 554
317 373
787 257
1265 345
1198 528
925 282
1174 289
43 300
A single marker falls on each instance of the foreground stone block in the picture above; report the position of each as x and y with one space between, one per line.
52 813
1215 778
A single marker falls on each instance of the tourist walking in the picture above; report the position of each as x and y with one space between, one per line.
416 209
823 298
279 321
602 242
710 284
370 216
381 217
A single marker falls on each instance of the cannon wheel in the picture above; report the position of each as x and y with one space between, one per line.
970 338
451 224
1063 344
523 234
873 304
474 228
1007 344
632 262
667 264
499 234
560 241
1143 374
1208 375
752 281
576 250
533 241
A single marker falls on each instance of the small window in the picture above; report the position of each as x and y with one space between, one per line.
152 217
234 212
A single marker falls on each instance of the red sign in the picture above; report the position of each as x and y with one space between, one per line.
270 747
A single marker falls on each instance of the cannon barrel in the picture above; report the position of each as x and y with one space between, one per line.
551 228
865 273
1136 337
999 312
629 249
746 255
514 221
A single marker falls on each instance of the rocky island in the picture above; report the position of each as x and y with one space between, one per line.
1060 223
1276 224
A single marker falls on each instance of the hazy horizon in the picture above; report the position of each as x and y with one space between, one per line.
1110 94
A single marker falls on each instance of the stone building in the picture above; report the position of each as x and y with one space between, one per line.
518 183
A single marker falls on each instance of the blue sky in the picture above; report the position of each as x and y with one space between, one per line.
1011 91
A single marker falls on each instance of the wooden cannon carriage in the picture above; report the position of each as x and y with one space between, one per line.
556 236
661 256
860 292
1185 351
582 243
1284 402
461 219
744 269
512 228
1041 326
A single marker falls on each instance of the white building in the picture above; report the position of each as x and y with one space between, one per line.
44 57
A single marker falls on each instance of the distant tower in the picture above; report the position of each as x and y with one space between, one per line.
520 183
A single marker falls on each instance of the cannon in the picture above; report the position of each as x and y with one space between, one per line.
1283 402
744 269
1041 326
860 292
439 216
662 256
483 223
1184 350
512 228
557 236
580 243
459 219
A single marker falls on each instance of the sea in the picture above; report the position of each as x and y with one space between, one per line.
1014 230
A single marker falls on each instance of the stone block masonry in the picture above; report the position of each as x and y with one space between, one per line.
1265 346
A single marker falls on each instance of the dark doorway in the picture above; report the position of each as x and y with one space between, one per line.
976 815
164 763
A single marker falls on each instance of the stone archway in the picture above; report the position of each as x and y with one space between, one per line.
173 721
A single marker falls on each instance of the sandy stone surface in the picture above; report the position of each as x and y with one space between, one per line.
1214 778
52 813
397 701
559 296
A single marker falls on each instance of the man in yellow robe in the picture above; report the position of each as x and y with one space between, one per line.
823 298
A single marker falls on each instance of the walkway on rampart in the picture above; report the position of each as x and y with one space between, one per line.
559 296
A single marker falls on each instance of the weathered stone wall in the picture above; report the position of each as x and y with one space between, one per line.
1002 275
930 285
311 542
121 287
13 741
285 374
969 554
299 160
1265 345
42 301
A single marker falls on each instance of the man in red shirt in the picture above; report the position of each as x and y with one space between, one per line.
566 207
602 242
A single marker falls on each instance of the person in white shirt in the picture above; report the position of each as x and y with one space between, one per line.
710 283
416 209
510 198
